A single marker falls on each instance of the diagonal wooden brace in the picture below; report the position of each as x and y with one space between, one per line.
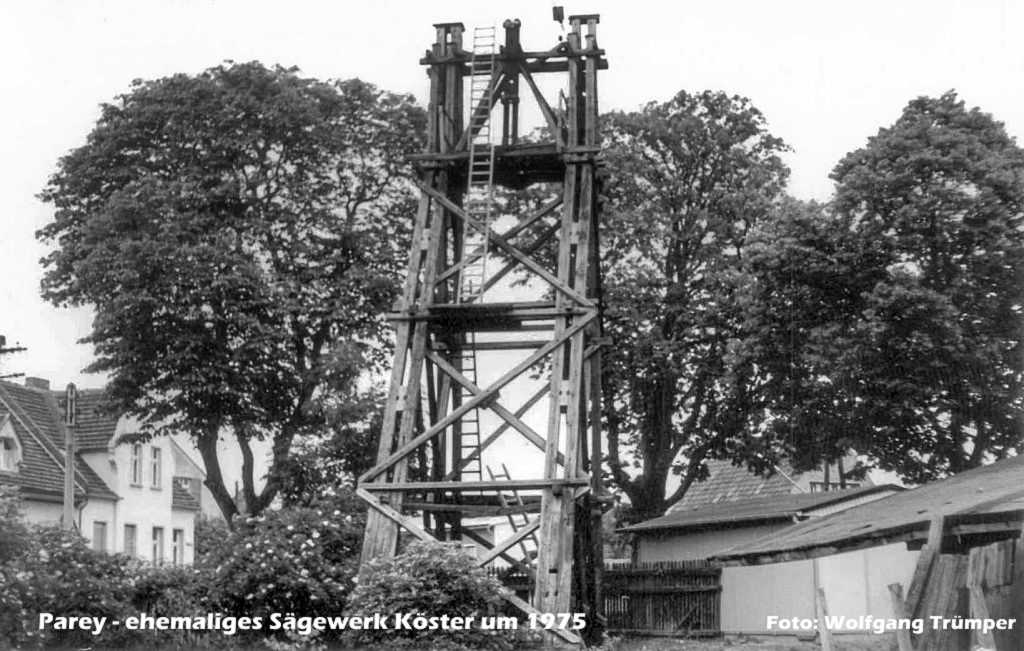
503 244
479 400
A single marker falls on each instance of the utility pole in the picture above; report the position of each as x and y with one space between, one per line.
70 409
4 350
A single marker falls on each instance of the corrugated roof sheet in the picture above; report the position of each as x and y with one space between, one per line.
970 497
765 509
35 418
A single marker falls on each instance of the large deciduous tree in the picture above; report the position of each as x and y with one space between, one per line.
892 324
237 233
688 180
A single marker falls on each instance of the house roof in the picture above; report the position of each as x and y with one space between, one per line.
93 429
727 482
181 498
34 417
986 501
750 511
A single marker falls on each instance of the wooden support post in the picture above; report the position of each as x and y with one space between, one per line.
824 632
899 611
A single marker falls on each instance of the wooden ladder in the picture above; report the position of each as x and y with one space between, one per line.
518 520
479 205
479 200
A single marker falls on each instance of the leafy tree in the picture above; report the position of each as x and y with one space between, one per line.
324 465
236 233
941 192
689 178
901 307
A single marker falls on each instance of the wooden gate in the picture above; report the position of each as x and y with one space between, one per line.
676 598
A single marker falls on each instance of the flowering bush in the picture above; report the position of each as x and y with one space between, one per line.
298 560
430 579
57 572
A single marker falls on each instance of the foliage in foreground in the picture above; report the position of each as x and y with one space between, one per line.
430 579
298 560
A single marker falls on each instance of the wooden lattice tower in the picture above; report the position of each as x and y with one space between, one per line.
428 475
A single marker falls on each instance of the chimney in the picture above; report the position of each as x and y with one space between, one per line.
37 383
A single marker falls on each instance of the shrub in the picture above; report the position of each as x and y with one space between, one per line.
431 579
58 572
210 534
298 560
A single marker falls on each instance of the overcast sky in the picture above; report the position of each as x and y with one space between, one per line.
826 74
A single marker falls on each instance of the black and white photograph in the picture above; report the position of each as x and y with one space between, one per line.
647 326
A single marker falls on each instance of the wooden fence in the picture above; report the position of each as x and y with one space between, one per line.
677 598
674 598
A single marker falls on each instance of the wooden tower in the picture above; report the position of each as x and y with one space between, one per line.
439 423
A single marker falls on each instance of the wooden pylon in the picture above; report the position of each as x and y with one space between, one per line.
424 479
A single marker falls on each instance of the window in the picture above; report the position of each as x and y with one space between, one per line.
155 467
10 450
99 536
178 546
158 545
136 466
130 539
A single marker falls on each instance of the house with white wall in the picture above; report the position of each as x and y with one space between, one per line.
128 497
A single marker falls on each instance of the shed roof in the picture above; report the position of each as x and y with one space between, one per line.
750 511
976 504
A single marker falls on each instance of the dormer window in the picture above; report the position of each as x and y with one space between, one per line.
10 449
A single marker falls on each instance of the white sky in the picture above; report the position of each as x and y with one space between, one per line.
826 74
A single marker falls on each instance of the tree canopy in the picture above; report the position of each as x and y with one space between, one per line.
689 178
915 354
236 232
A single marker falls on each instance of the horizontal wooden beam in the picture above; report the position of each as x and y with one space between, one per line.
471 509
459 486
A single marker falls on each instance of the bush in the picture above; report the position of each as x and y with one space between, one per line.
299 560
58 572
431 579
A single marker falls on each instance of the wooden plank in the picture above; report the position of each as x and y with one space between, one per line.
924 565
545 108
502 547
899 611
824 631
468 486
983 641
